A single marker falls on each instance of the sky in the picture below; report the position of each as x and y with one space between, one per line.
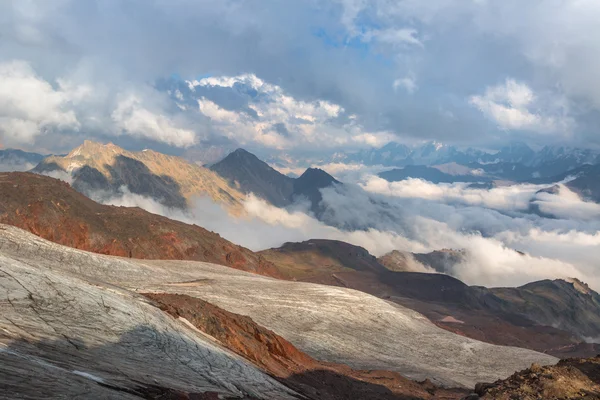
298 76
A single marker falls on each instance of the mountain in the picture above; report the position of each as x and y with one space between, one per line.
309 185
587 182
584 180
102 169
430 174
53 210
84 312
244 170
515 161
565 304
18 160
484 314
252 175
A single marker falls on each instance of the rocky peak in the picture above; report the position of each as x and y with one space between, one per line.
317 177
92 149
580 286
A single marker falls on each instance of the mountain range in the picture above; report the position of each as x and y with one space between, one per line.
318 319
102 170
556 317
18 160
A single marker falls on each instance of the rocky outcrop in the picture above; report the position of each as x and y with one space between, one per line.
570 379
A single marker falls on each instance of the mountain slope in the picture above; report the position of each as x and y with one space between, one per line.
51 209
552 302
477 312
252 175
170 180
315 379
330 324
64 336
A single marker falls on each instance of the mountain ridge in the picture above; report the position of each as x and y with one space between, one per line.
105 168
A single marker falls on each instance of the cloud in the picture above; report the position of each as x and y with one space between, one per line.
29 105
275 119
16 166
264 226
503 248
408 83
509 197
456 217
566 204
132 118
394 36
511 106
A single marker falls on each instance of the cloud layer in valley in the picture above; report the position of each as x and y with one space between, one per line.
506 245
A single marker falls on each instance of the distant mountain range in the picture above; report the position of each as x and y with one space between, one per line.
553 159
18 160
516 163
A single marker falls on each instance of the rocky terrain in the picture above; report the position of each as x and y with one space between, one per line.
103 169
330 324
51 209
314 379
570 379
550 317
63 335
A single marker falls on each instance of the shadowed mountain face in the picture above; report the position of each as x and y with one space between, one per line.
309 186
549 317
101 170
251 175
53 210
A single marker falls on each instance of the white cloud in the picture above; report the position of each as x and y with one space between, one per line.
283 122
553 248
394 36
133 118
510 197
407 83
566 204
29 105
513 106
